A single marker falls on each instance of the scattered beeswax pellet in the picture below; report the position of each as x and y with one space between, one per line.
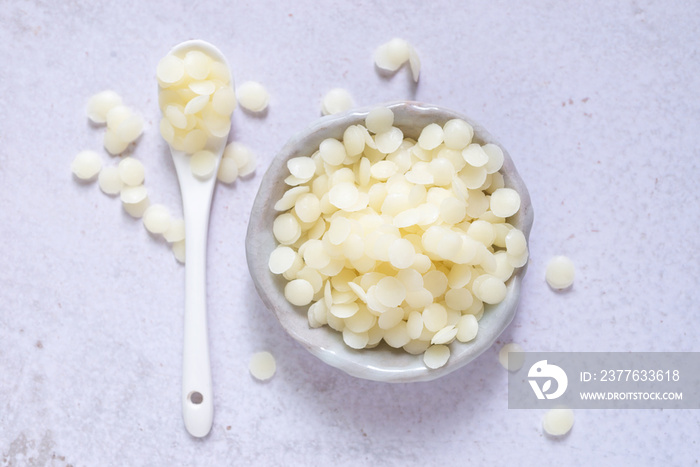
336 101
253 96
131 171
393 54
135 200
262 365
245 158
558 422
109 180
86 165
228 170
560 272
175 232
511 357
101 103
156 219
179 250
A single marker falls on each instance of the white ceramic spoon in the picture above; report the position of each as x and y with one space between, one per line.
197 399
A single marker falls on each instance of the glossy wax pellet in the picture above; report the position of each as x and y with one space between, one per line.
560 272
436 356
135 200
299 292
243 156
467 328
203 164
262 366
558 422
197 64
390 292
511 357
302 167
379 120
475 155
101 103
337 100
307 208
178 249
253 96
393 54
228 170
170 70
176 231
156 219
445 335
131 171
109 180
286 229
281 259
86 165
431 136
505 202
457 134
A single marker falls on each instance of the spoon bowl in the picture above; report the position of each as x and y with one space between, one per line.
382 363
197 398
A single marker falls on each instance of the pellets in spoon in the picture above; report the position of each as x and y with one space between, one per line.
197 100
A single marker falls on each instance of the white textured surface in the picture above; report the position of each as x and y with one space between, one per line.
597 103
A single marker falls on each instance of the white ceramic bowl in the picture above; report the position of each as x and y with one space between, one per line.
382 363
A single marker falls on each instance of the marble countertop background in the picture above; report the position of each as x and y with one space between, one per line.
597 102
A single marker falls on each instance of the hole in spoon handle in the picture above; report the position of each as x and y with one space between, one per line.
198 411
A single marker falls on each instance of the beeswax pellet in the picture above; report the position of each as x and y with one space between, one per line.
391 55
131 171
560 272
336 101
203 164
262 366
109 180
505 202
156 219
86 165
299 292
436 356
558 422
511 357
101 103
253 96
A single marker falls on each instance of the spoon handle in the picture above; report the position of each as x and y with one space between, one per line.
197 399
